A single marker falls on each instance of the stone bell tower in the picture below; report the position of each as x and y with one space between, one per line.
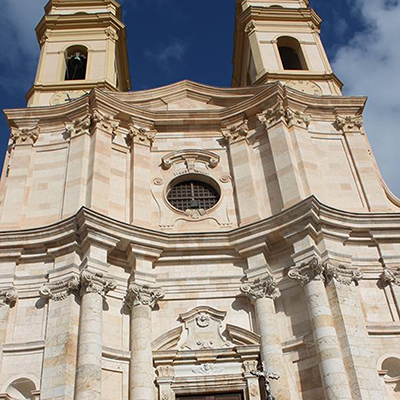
83 45
280 41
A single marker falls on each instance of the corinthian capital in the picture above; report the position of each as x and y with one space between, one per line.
59 290
143 295
105 122
391 276
25 135
236 132
96 283
261 288
342 274
309 271
137 134
8 297
349 123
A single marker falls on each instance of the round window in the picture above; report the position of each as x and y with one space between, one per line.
193 195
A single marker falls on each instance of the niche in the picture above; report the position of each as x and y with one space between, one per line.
291 54
76 63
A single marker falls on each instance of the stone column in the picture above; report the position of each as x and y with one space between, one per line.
88 375
391 278
359 360
262 293
7 298
141 300
333 373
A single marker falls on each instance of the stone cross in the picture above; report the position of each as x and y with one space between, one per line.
262 373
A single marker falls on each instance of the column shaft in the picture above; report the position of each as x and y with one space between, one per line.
88 378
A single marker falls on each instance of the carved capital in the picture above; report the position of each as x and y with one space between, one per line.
250 27
44 38
391 276
59 290
307 272
261 288
79 126
280 113
137 134
143 295
348 123
236 132
165 371
96 283
25 135
342 274
105 122
8 297
111 34
249 367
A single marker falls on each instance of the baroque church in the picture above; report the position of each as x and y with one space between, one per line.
191 241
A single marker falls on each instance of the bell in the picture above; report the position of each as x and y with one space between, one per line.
76 62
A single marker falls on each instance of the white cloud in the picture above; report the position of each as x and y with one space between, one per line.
167 54
369 65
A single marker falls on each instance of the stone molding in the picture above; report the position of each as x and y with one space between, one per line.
8 297
79 126
348 123
236 132
96 283
309 271
261 288
105 122
60 290
391 276
143 295
25 135
342 274
190 158
140 135
281 113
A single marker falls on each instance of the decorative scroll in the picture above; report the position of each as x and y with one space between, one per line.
105 122
349 123
250 27
143 295
309 271
342 274
8 297
261 288
137 134
111 34
25 135
236 132
96 283
280 113
391 276
79 126
60 290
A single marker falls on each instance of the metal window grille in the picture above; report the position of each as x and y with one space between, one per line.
193 195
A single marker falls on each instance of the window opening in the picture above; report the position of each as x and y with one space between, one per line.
291 54
193 195
76 61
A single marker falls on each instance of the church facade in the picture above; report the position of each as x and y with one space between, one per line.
190 241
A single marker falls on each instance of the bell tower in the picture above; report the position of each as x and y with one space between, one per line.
83 45
279 40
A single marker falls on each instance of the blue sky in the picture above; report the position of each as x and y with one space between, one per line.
171 40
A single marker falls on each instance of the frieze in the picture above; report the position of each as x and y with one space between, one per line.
60 290
96 283
8 297
140 135
309 271
25 135
391 276
348 123
342 274
143 295
236 132
261 288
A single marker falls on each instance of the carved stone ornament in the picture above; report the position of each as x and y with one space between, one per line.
8 297
250 27
110 33
249 366
137 134
281 113
60 290
105 122
309 271
391 276
349 123
165 371
25 135
79 126
342 274
143 295
195 214
261 288
208 369
45 37
190 161
236 132
203 329
96 283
